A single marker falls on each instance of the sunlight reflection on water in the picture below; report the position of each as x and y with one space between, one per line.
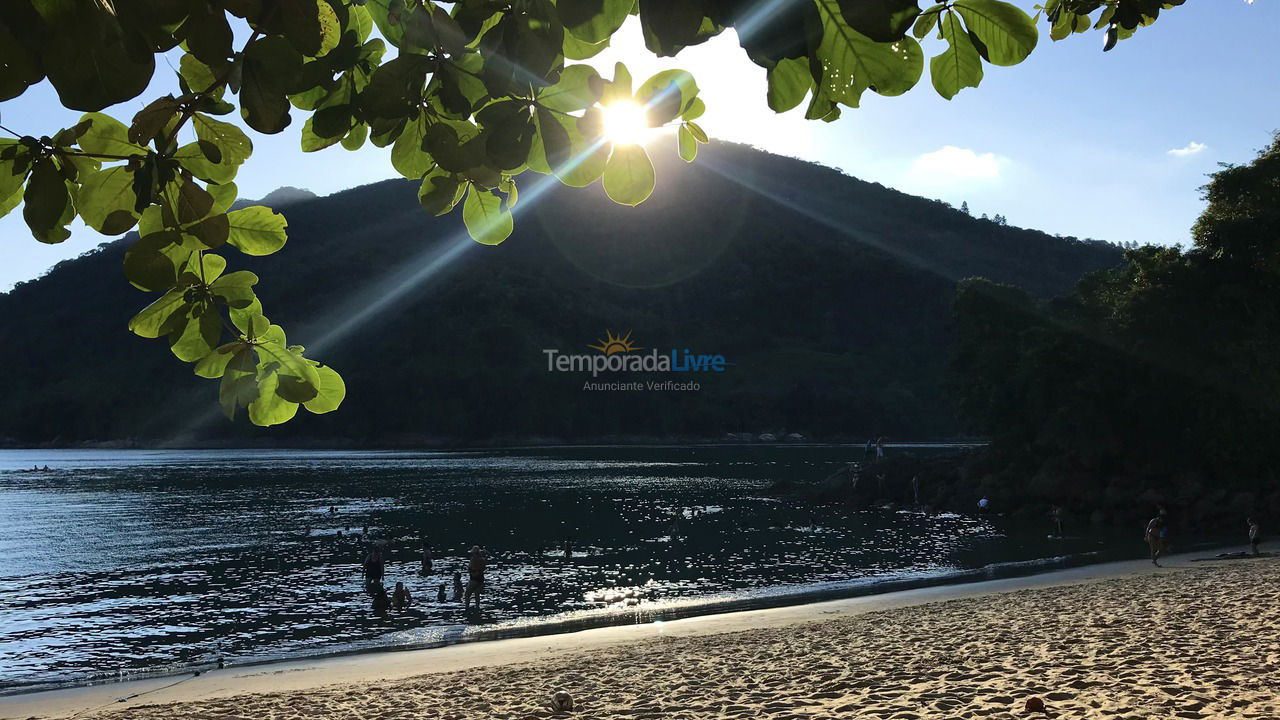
124 561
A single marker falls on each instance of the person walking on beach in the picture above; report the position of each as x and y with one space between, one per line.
475 570
1155 538
1255 536
457 586
1055 514
401 599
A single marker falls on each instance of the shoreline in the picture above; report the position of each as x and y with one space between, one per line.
569 623
460 445
300 676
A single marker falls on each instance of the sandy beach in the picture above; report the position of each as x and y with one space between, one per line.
1122 640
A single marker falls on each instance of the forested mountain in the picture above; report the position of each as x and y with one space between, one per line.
830 297
1154 383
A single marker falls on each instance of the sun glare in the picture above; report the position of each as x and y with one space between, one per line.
626 123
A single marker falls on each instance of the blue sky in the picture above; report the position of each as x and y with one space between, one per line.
1073 141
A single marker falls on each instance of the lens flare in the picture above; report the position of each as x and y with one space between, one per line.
626 123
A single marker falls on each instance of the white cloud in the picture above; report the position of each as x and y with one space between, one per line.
1192 148
952 162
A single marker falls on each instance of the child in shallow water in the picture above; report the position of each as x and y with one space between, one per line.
401 599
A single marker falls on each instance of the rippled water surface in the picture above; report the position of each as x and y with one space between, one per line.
120 562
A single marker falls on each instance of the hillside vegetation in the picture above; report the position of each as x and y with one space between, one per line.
830 296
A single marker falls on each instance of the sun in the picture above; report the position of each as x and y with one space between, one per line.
614 343
626 123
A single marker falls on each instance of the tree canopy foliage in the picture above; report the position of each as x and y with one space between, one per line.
477 93
1158 381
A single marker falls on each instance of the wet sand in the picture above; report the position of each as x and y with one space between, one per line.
1121 640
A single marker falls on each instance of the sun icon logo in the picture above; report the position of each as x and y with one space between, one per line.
614 343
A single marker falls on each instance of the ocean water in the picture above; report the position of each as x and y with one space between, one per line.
120 564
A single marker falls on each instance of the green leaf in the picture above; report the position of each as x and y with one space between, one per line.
618 89
106 199
959 66
15 164
629 178
355 139
268 408
270 71
331 391
408 155
440 191
698 133
299 381
47 205
694 111
575 49
1003 33
579 87
192 203
8 204
257 230
509 132
851 63
789 82
486 216
927 21
688 144
593 21
239 381
224 195
198 75
152 120
880 20
152 262
666 95
212 232
199 335
560 148
235 147
107 136
235 290
151 321
90 60
215 363
310 25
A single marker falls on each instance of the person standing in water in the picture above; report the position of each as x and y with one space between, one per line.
457 586
426 559
869 452
1055 514
1255 536
476 566
1155 538
880 448
374 567
380 600
440 594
